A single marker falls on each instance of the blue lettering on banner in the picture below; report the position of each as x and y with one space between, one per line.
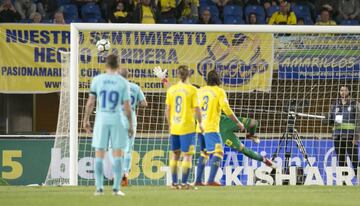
319 67
30 71
150 38
50 55
37 36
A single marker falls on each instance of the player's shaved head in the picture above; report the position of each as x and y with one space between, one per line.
112 62
183 72
213 78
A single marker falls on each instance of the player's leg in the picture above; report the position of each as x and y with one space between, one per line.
352 151
187 144
119 139
127 159
99 171
100 143
232 141
174 159
204 157
340 149
214 145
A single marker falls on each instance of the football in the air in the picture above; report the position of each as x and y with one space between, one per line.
103 45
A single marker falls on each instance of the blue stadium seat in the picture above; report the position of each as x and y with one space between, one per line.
213 10
233 20
271 10
90 12
168 20
349 22
233 10
189 21
258 10
62 2
302 11
233 14
308 20
70 12
204 3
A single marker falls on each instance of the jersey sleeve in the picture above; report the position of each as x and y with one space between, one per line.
93 87
125 92
224 103
195 99
167 100
141 96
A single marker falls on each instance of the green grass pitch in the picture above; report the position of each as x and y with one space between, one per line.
164 196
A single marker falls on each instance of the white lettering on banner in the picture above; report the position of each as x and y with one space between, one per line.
59 167
86 167
344 175
280 177
250 173
263 175
231 176
313 177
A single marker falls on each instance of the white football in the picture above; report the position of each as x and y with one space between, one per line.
103 45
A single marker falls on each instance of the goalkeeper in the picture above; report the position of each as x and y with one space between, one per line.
227 130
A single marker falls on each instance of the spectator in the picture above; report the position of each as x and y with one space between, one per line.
221 3
40 7
35 18
325 18
189 9
47 8
284 16
146 13
119 15
330 5
252 19
349 9
206 17
8 12
59 18
267 4
25 8
108 7
168 10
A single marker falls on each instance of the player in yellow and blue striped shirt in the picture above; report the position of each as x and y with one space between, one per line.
219 128
181 109
213 101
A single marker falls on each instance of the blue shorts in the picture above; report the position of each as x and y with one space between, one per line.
185 143
213 142
117 135
201 142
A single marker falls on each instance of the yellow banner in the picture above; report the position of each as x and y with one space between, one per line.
30 58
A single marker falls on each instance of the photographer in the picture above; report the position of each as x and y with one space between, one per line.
8 12
345 116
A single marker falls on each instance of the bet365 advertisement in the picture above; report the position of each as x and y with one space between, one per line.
27 161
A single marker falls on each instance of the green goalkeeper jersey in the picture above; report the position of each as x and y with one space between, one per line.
228 128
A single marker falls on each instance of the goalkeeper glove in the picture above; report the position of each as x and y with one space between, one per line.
161 74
